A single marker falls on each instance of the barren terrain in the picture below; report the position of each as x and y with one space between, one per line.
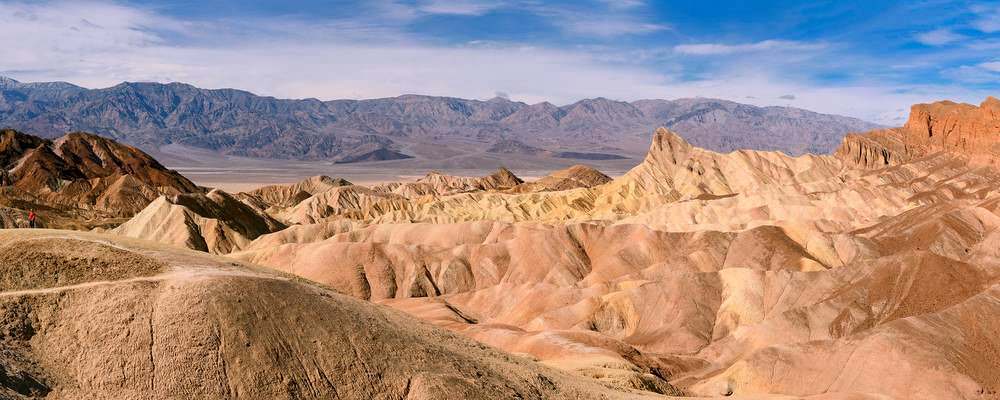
870 273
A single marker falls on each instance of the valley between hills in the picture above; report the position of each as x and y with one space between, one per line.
872 272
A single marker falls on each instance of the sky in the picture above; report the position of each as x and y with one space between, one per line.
866 59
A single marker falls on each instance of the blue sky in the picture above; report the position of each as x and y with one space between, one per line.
865 59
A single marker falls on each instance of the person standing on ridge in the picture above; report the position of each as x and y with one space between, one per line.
31 218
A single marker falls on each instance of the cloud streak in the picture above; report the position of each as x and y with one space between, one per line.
987 19
459 7
939 37
714 49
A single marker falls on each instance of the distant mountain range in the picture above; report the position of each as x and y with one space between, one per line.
236 122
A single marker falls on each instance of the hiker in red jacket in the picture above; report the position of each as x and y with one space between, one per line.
31 218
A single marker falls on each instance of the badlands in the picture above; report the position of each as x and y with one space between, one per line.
871 273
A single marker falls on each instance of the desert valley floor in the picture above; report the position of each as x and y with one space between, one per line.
870 273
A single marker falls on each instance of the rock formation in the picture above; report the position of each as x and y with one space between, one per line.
215 222
577 176
83 174
84 318
961 129
281 196
438 184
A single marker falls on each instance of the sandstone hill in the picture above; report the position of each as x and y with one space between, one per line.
99 317
81 174
235 122
280 196
215 222
439 184
577 176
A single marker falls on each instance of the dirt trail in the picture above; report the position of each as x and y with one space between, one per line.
178 274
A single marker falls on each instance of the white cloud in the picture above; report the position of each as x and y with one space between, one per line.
985 72
613 21
971 74
984 45
704 49
992 66
611 18
610 27
624 4
987 19
459 7
939 37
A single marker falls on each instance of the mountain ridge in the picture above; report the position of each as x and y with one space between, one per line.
240 123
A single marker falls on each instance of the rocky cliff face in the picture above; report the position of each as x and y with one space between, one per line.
960 129
236 122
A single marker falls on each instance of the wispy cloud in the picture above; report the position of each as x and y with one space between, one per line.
611 20
992 66
610 27
459 7
988 18
704 49
980 73
600 19
984 45
624 4
939 37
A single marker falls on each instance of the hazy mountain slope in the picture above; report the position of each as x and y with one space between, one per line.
240 123
722 125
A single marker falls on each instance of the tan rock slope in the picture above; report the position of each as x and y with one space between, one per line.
438 184
577 176
276 197
97 317
215 222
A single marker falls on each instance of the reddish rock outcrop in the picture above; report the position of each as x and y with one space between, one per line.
962 129
84 172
